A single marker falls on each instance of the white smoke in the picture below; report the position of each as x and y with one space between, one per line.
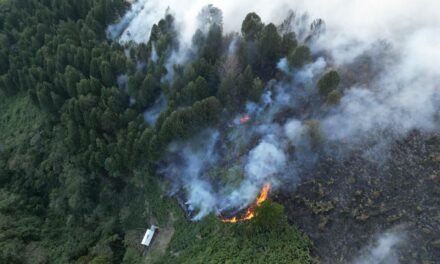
294 131
152 113
265 160
345 20
382 251
137 23
262 165
122 81
405 95
115 30
194 158
154 55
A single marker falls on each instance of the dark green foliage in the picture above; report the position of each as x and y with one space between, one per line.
226 92
148 91
328 82
77 160
289 43
71 77
163 37
270 50
44 96
4 62
245 86
7 85
300 56
244 53
263 47
195 91
106 73
251 27
144 80
54 163
235 92
211 48
184 122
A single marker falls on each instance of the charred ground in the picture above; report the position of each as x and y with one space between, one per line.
349 201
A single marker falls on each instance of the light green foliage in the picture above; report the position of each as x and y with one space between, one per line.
132 257
211 241
231 176
269 216
100 260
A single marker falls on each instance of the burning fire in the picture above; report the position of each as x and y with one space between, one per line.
250 212
245 119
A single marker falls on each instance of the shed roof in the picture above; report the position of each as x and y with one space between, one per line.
148 237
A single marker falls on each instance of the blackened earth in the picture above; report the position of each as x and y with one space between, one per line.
347 202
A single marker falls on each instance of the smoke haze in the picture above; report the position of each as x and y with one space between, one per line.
383 250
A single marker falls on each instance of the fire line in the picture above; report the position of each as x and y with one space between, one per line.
250 212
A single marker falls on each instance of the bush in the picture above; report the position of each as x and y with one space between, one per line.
328 82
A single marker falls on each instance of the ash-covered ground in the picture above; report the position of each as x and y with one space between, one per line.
349 203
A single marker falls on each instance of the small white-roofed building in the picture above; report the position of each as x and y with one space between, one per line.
149 235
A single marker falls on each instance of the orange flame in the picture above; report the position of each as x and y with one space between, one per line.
263 194
250 212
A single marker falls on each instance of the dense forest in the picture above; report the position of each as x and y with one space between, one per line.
78 162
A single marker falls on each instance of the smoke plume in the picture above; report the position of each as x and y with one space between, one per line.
383 250
399 91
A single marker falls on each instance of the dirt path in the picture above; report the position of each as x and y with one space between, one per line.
162 240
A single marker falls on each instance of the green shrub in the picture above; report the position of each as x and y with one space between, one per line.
328 82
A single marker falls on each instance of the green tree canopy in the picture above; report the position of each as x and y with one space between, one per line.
300 56
251 27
